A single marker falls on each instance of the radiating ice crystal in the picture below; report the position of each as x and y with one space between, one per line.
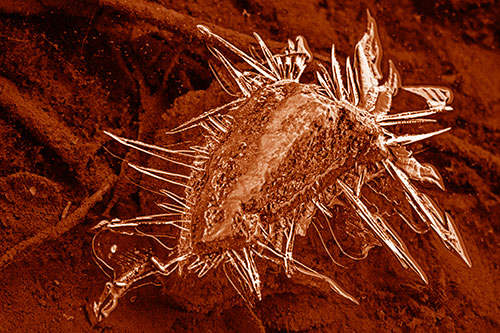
270 159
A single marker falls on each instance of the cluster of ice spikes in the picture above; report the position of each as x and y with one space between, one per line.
362 94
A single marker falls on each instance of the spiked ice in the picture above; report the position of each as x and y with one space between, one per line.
270 159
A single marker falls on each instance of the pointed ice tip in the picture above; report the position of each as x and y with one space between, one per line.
424 277
467 260
414 266
204 29
302 46
369 15
339 290
458 246
115 137
354 300
371 24
433 176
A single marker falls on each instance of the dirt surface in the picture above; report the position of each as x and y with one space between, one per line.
140 67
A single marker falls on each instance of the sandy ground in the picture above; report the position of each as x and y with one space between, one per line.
138 67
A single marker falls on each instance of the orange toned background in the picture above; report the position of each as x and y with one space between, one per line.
139 67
